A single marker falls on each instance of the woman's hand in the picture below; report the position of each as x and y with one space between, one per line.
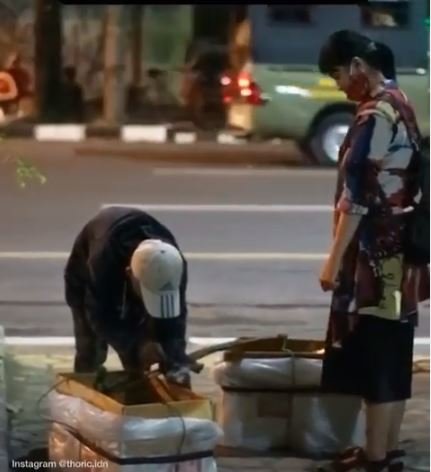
346 228
329 273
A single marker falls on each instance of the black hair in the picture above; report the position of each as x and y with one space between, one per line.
342 46
386 61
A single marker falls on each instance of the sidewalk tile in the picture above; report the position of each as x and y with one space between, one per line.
30 375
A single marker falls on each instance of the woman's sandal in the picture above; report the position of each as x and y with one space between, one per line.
395 460
349 460
354 459
353 451
352 466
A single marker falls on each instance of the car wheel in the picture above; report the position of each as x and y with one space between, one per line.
327 137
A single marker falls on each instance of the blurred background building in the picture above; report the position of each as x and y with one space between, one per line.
165 48
215 66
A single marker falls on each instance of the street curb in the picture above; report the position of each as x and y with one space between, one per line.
171 143
4 456
128 133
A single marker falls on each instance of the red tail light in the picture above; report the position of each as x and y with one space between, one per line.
254 94
244 81
241 87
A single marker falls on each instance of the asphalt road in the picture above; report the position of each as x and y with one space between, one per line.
255 239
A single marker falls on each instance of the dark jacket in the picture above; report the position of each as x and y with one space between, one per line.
96 282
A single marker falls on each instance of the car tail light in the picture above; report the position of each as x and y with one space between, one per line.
225 80
244 81
254 94
241 87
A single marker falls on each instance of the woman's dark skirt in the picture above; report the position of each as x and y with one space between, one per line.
374 362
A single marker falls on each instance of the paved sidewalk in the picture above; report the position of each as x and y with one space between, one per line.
31 370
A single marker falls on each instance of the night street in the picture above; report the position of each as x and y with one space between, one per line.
238 128
255 238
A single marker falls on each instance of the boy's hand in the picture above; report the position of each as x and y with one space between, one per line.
180 376
151 353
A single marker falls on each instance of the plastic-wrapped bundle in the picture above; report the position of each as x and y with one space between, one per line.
277 403
285 372
83 432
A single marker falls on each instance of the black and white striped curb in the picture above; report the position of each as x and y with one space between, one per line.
127 133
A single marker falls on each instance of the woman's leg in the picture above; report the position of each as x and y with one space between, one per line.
384 422
397 416
388 385
379 422
403 389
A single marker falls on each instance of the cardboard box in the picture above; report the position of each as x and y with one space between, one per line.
276 347
162 399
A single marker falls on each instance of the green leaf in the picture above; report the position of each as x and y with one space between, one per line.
27 172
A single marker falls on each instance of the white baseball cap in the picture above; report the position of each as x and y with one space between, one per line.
158 267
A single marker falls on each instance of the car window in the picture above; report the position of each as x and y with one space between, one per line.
386 14
291 14
293 34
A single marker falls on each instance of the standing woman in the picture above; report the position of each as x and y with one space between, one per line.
369 347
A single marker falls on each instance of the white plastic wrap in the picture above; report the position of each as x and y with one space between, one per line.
71 455
309 423
269 373
128 437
